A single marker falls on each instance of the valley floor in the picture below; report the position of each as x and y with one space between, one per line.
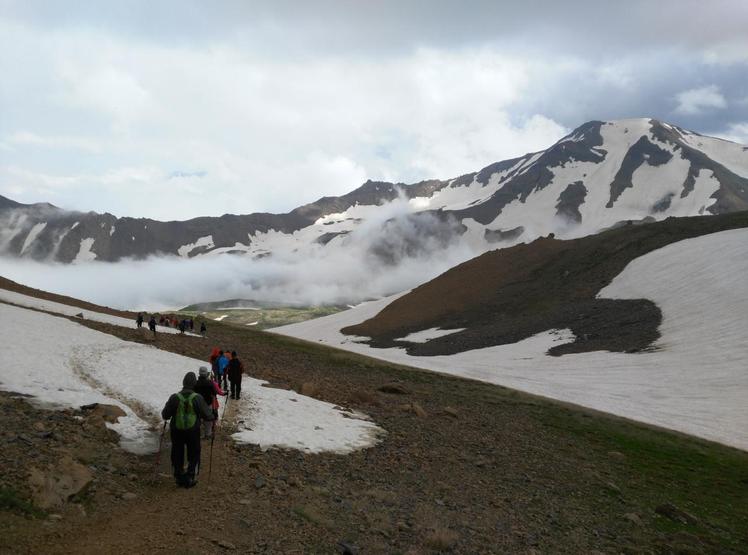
465 466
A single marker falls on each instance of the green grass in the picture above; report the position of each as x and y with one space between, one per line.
265 317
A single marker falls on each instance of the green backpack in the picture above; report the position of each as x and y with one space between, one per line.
186 417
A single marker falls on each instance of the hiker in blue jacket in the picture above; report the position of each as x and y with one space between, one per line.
186 409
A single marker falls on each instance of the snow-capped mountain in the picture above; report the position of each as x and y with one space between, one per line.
597 176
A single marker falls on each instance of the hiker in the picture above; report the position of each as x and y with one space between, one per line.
235 371
181 327
223 362
152 325
139 320
210 390
186 409
203 328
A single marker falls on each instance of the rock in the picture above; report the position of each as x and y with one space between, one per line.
55 486
616 455
226 545
633 518
260 482
40 427
418 410
245 502
449 411
347 548
109 413
79 315
675 514
54 516
613 488
309 389
394 389
129 496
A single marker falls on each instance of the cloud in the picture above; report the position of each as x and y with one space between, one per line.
390 252
736 132
697 101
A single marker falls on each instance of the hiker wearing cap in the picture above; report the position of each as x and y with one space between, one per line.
186 409
235 371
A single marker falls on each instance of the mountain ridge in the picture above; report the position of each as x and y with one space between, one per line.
596 176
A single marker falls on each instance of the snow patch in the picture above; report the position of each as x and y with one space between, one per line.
85 254
427 335
33 234
185 250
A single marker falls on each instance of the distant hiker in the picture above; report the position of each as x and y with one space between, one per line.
186 409
203 329
235 371
210 391
181 327
191 324
152 325
139 320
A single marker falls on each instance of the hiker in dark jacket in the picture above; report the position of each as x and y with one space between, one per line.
205 387
235 371
139 320
186 409
152 325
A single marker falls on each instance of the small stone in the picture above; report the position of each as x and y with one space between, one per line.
418 410
226 545
129 496
675 514
260 482
449 411
394 389
633 518
55 516
610 486
245 502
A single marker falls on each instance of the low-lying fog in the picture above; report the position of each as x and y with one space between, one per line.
392 253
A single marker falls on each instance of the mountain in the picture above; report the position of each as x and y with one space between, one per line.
601 174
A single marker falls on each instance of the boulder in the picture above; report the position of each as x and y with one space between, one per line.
58 484
109 413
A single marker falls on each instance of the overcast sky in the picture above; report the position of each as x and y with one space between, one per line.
174 109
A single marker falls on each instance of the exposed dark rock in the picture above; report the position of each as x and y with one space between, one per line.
570 200
499 235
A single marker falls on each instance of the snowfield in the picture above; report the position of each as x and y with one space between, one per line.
68 310
63 364
695 381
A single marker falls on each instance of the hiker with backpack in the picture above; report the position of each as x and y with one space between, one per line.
152 325
235 371
139 320
186 409
210 390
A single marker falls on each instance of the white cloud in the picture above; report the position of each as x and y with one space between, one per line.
697 101
736 132
269 134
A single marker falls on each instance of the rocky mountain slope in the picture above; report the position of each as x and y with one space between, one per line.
601 174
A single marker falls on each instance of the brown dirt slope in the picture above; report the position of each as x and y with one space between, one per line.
38 293
508 295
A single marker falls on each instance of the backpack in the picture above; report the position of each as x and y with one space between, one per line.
186 417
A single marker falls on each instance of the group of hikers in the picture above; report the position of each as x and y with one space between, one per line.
195 409
182 325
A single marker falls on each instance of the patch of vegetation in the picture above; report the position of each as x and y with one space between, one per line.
263 317
12 501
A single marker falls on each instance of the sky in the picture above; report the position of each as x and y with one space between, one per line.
178 109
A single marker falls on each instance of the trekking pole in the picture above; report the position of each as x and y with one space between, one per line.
210 462
160 444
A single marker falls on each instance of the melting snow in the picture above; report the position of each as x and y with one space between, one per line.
185 250
33 234
85 253
73 365
428 335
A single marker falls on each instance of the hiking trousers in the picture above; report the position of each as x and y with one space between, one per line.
236 388
189 440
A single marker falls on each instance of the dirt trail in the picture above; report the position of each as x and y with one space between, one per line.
166 518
